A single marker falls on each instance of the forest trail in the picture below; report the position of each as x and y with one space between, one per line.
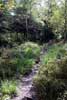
25 90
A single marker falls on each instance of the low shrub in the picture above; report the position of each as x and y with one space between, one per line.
30 49
51 80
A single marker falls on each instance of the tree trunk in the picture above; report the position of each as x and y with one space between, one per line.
65 31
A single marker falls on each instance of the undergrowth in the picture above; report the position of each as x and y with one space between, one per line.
15 62
51 80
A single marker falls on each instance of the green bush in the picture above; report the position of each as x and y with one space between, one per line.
51 80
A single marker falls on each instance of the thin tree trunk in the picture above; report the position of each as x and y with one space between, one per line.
65 31
27 27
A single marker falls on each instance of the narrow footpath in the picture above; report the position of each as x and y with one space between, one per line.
25 89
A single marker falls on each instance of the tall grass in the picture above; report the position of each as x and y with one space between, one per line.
54 52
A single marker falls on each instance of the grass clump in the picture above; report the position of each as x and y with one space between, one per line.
8 88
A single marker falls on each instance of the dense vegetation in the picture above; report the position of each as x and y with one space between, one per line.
15 62
51 79
25 25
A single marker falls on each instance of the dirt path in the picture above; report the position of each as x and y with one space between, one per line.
25 89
